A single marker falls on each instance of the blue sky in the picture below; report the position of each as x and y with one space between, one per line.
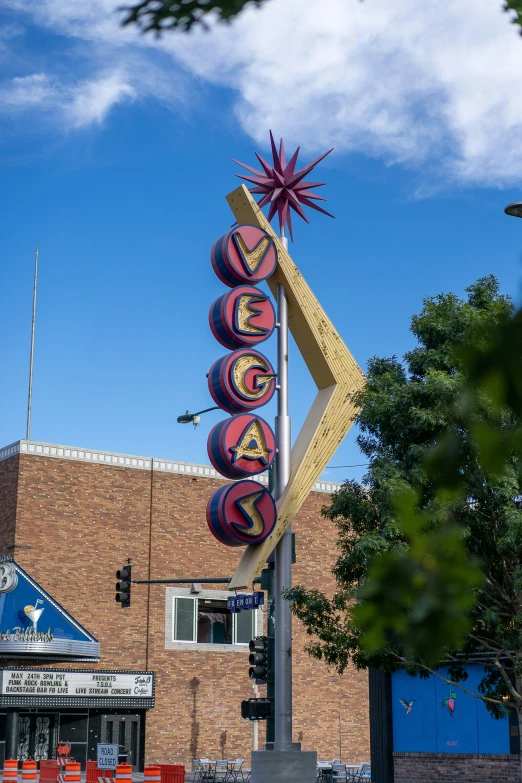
115 152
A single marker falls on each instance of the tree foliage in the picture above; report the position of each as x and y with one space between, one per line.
162 15
516 6
165 15
430 564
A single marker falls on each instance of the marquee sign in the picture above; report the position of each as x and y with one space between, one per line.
66 687
34 625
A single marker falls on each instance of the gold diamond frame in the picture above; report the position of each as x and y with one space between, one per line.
337 377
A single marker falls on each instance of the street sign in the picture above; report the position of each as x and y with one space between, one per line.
238 603
107 756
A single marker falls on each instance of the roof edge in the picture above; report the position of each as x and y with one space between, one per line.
115 459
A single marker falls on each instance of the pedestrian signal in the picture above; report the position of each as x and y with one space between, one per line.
256 709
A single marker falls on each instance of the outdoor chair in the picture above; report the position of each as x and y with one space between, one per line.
207 771
197 771
365 769
221 772
339 773
236 770
352 773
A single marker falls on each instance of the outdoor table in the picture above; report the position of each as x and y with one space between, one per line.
324 769
325 773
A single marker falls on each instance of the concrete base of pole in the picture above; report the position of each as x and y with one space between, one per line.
284 766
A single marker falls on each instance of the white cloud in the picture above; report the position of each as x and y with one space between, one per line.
27 91
91 100
8 31
430 85
75 106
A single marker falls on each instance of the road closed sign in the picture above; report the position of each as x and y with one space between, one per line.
107 756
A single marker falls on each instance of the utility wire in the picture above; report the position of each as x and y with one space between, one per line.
360 465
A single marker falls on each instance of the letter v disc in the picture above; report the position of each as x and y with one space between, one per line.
246 254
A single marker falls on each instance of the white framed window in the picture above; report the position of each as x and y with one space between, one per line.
203 621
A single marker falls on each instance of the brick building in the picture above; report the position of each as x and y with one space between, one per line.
70 518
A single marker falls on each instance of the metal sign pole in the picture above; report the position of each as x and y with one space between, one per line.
283 552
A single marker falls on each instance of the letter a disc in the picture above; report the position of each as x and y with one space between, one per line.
241 446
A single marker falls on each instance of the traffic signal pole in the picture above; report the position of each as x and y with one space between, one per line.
192 581
270 632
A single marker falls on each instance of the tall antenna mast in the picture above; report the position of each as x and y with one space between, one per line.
31 361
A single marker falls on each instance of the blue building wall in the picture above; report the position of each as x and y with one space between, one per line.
431 728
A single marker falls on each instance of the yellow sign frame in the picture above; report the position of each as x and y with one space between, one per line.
336 374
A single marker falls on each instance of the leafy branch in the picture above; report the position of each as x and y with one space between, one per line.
516 6
161 16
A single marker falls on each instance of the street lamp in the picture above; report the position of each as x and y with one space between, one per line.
514 209
194 418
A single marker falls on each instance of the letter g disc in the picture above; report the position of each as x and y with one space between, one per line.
242 381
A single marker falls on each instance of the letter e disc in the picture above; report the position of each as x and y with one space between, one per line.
242 317
246 254
241 513
241 381
241 446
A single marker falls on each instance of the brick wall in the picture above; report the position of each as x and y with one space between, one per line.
8 498
76 523
442 767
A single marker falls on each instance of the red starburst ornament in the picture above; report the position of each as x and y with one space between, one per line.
283 187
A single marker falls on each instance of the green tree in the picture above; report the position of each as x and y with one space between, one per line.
430 543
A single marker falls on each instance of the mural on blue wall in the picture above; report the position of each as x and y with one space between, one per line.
443 718
408 705
449 701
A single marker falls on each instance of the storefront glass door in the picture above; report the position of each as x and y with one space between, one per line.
36 735
125 731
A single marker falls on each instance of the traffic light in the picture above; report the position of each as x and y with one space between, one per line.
258 659
256 709
123 586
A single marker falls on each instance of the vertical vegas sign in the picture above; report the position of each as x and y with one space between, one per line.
239 382
244 513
